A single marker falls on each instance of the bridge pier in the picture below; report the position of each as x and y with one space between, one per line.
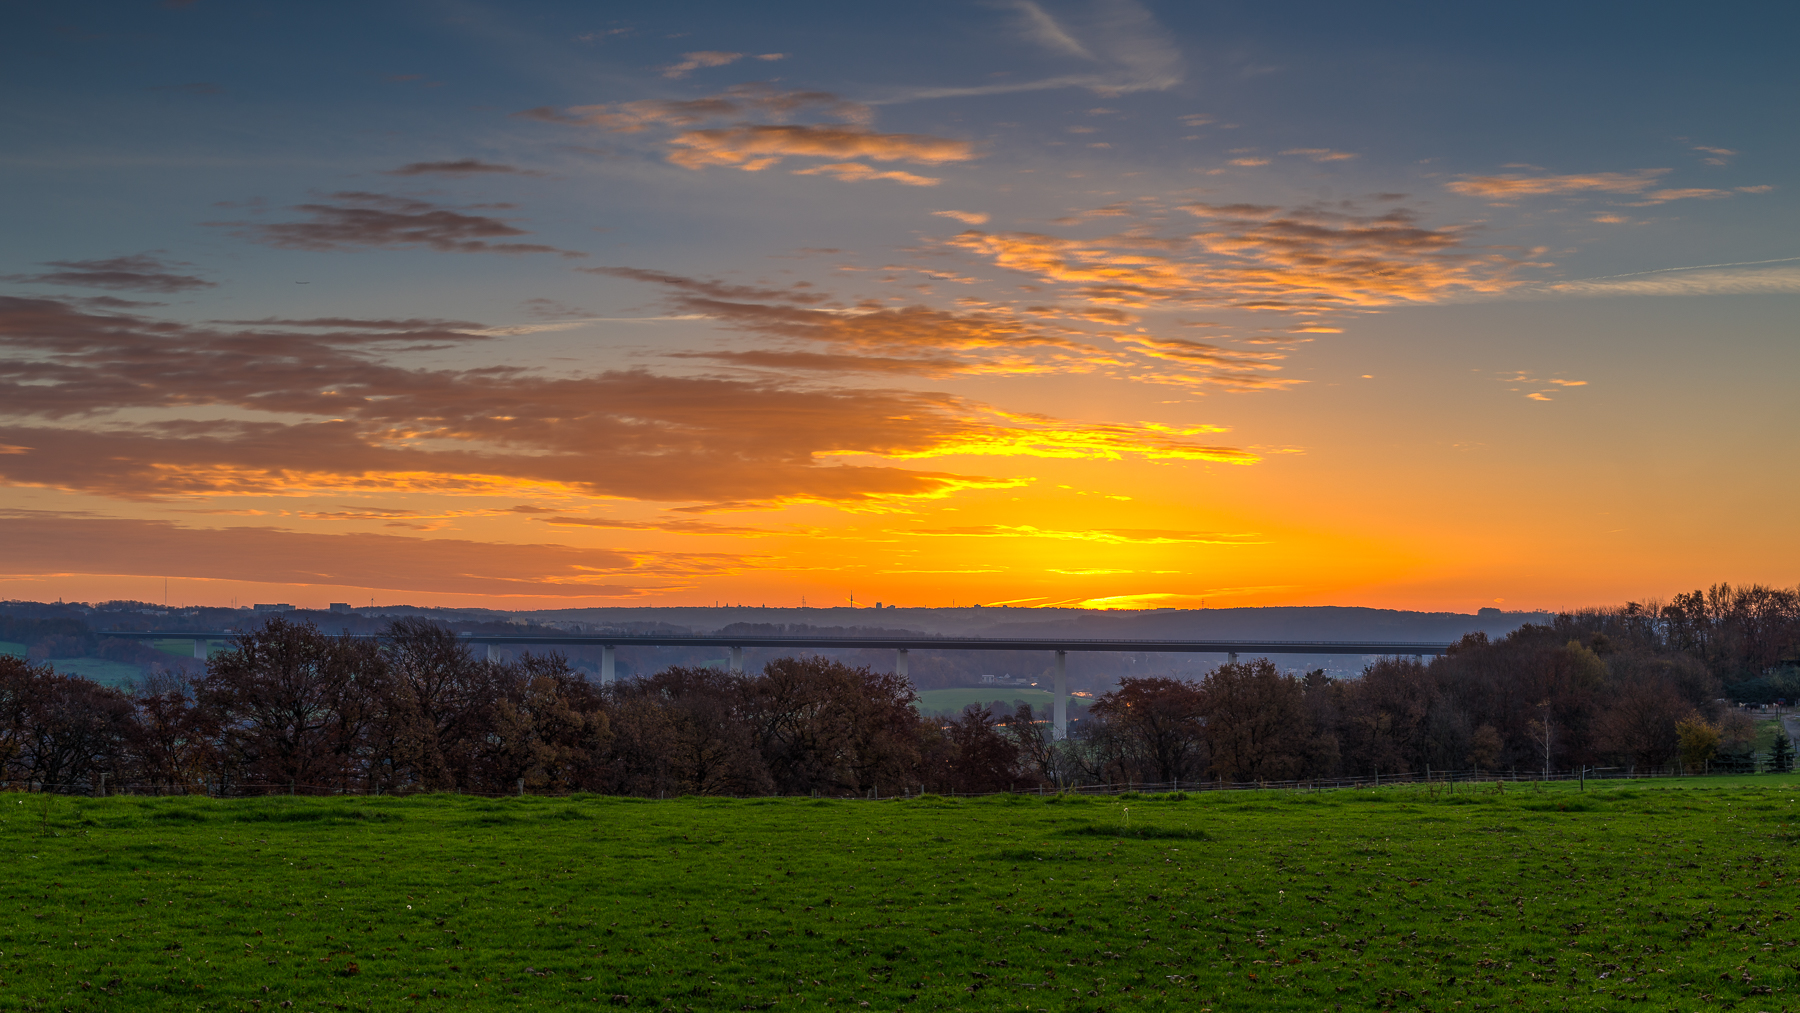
1231 657
737 660
900 662
200 649
1060 709
493 653
606 665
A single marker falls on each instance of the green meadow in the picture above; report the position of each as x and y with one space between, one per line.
1653 895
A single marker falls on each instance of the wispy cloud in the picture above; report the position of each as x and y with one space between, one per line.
140 272
1306 259
1507 187
966 217
50 543
760 146
735 102
856 172
679 526
1104 536
133 408
361 220
691 62
1676 281
757 146
458 167
1535 388
1321 154
1121 46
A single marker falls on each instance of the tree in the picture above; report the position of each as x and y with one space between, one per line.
438 697
1781 754
61 731
546 729
1153 728
286 701
702 743
971 754
1697 740
171 738
1485 747
1256 722
1638 724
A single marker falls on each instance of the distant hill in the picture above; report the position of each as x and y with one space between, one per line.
73 635
1314 622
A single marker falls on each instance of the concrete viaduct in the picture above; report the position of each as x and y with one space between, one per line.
735 645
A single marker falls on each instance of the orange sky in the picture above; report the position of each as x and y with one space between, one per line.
1113 325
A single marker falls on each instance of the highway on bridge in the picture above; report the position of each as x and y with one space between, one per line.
901 646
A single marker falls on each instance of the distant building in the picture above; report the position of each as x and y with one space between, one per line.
340 606
284 607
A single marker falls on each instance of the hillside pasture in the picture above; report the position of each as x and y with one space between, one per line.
1642 895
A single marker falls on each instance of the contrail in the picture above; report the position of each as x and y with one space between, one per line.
1696 267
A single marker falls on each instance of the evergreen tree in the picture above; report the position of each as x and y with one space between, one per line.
1781 756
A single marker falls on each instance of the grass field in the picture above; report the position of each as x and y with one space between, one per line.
184 648
1666 895
17 650
100 670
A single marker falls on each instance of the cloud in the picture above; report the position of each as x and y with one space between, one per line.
360 220
458 167
825 362
981 338
1306 259
1043 29
1249 162
135 408
1546 387
691 62
1676 281
738 101
1701 193
139 272
1508 187
760 146
855 172
1720 156
757 146
1105 536
50 543
995 433
1223 363
694 61
966 217
680 527
1121 47
804 314
1321 154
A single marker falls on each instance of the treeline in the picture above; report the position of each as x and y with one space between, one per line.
1636 688
292 708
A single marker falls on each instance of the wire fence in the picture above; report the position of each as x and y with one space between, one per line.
1447 779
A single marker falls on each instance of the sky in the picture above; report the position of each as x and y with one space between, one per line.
1105 304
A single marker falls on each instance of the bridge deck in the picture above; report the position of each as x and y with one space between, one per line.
1359 647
